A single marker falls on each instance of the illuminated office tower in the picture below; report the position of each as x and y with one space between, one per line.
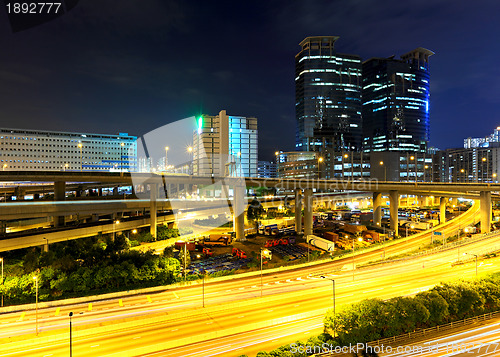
327 97
225 145
396 102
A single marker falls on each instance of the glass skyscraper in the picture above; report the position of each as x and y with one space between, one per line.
396 102
327 97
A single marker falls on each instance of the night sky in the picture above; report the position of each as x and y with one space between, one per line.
131 66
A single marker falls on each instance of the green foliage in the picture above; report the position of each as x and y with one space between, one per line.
374 319
255 210
86 266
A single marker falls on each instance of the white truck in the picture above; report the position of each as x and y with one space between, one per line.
321 243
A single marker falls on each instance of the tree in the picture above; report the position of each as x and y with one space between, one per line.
255 210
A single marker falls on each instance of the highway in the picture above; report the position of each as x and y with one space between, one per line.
285 294
483 340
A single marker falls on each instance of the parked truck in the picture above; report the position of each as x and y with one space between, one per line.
372 236
331 236
354 228
321 243
218 239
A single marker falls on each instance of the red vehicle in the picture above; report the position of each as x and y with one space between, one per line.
208 252
239 253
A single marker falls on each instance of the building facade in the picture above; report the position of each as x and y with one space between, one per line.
483 142
31 150
267 169
396 102
225 145
299 164
327 97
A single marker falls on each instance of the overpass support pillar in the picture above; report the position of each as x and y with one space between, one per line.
298 210
153 208
377 208
239 211
485 208
95 217
59 195
454 202
394 202
308 209
442 210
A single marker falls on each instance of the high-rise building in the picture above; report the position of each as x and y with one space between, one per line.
26 150
327 97
483 142
225 145
396 102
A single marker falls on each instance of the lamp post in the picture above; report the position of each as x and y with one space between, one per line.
114 229
466 176
1 260
4 167
484 159
262 252
353 265
121 158
333 286
475 255
166 157
70 336
381 163
425 170
320 160
412 158
35 278
190 151
80 145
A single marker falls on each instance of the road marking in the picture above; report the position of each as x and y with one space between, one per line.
90 306
254 286
394 286
210 322
120 302
22 316
48 355
175 329
241 316
270 310
135 338
58 310
176 296
296 305
241 288
94 346
149 299
288 280
372 290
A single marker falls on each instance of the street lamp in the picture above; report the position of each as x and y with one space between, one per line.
262 252
425 170
381 163
320 160
353 266
412 226
4 167
1 260
466 176
121 158
114 229
484 159
333 285
80 145
475 255
70 336
166 157
35 278
412 158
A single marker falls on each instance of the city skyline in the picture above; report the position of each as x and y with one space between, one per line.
137 67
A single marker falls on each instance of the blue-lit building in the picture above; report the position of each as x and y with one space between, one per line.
396 102
327 97
225 145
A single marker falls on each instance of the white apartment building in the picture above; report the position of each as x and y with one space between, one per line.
32 150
